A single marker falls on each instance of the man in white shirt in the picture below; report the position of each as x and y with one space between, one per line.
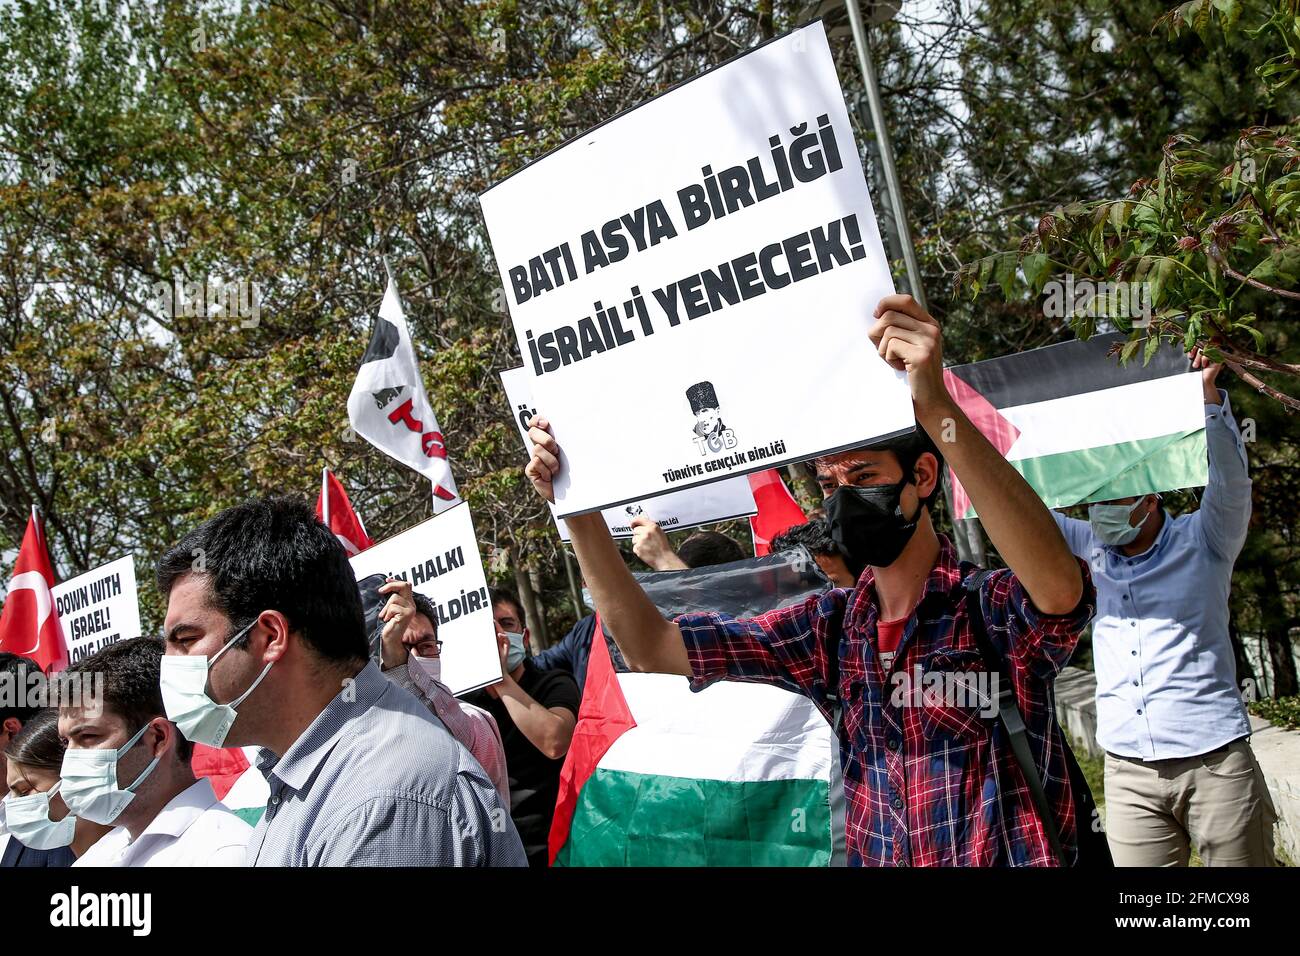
411 657
128 765
1180 772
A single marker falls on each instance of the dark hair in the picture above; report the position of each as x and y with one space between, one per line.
502 596
423 605
38 744
815 535
131 668
907 449
704 548
274 553
14 670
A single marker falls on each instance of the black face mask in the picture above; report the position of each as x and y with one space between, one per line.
868 524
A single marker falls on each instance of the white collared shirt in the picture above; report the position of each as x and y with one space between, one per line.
193 829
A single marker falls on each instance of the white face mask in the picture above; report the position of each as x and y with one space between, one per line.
184 684
28 819
1110 523
429 668
514 656
89 781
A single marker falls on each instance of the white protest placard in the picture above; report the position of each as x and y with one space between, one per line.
439 556
692 282
720 501
98 608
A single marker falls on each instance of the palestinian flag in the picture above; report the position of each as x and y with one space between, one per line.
1081 427
235 779
737 775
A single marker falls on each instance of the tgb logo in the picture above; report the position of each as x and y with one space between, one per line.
77 909
711 435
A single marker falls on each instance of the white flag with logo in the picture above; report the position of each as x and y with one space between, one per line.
388 406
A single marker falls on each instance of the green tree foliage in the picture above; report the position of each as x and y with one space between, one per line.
1210 225
289 144
283 146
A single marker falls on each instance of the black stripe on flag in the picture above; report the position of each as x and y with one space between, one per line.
1070 368
383 341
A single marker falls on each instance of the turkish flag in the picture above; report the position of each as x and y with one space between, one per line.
335 511
29 626
777 510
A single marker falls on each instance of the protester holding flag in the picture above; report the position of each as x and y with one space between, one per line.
1179 767
266 645
129 767
536 710
42 833
411 657
816 537
924 785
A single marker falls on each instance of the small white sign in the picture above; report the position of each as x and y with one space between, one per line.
98 608
439 556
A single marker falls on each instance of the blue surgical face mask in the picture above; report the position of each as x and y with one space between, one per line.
514 656
88 781
1110 523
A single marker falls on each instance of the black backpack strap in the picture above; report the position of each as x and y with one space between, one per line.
1009 712
837 714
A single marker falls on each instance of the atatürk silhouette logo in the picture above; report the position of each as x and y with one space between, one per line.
711 435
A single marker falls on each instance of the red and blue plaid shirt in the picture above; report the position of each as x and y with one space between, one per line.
927 781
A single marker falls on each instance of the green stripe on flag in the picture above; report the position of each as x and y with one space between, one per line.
1117 471
635 819
1184 463
250 815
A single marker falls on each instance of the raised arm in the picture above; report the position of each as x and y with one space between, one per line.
649 641
1225 507
1018 523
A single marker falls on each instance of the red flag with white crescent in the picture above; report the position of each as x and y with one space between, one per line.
29 625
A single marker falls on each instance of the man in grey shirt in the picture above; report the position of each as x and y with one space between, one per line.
266 646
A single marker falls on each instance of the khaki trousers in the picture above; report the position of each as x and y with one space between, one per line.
1157 810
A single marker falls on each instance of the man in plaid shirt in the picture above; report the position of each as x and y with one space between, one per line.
927 780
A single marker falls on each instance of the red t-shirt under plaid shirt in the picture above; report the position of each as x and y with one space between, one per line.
928 780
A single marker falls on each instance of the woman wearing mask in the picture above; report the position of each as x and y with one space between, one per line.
41 832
